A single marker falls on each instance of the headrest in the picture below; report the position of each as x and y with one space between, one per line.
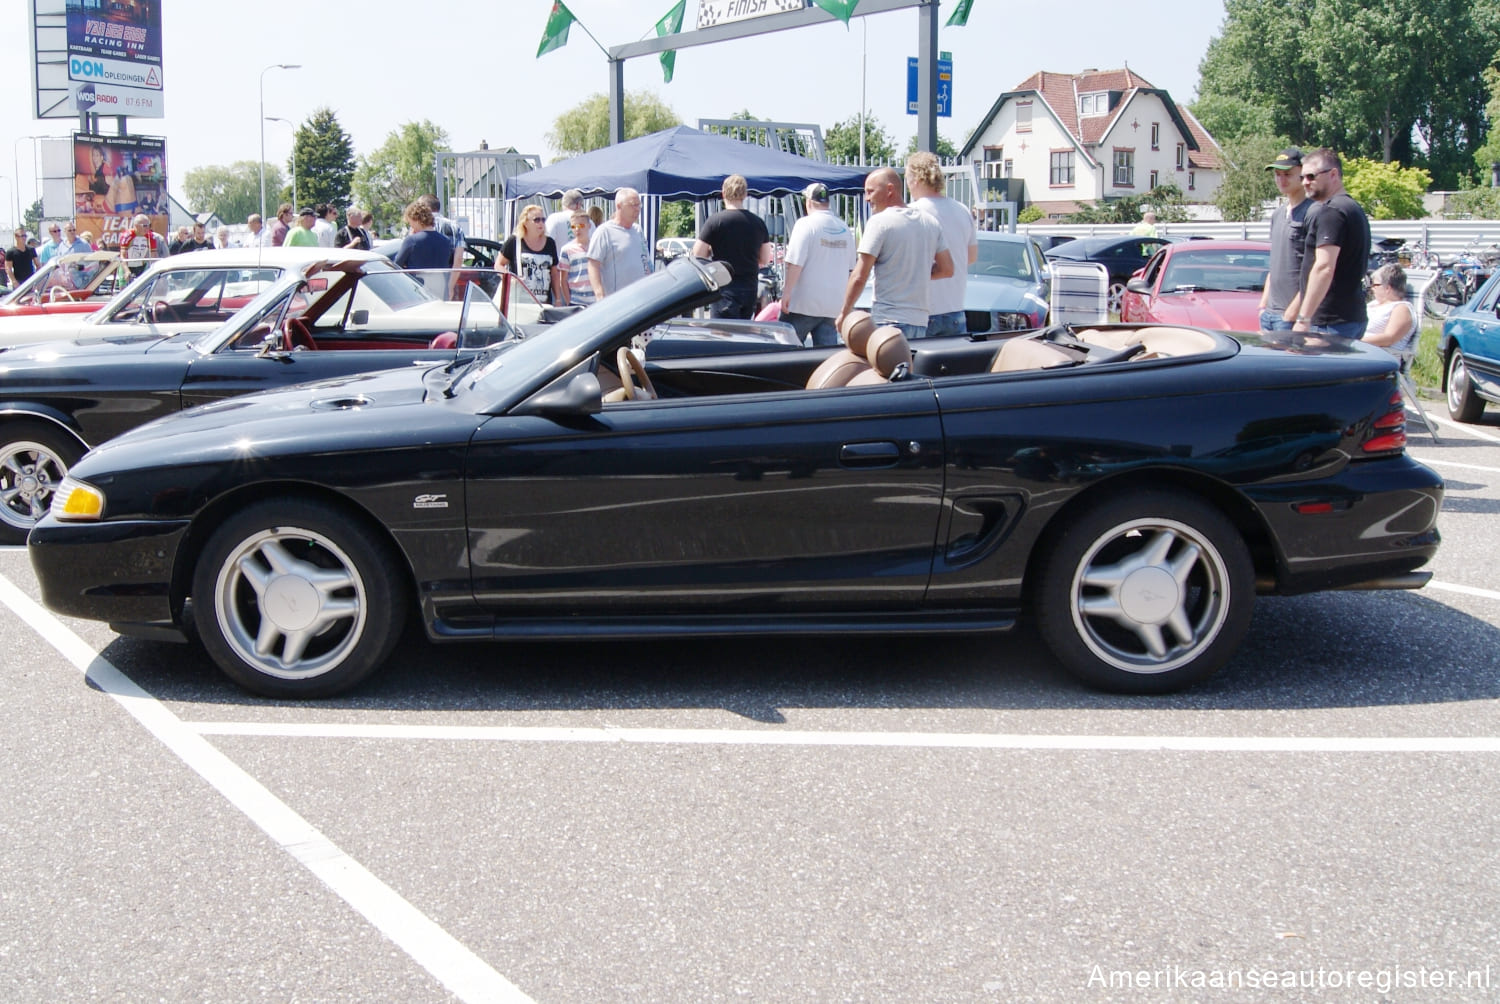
856 331
888 349
446 340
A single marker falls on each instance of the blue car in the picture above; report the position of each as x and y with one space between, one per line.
1008 285
1470 347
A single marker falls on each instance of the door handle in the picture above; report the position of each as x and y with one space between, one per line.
872 454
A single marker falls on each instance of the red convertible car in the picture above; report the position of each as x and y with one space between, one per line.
1206 284
68 284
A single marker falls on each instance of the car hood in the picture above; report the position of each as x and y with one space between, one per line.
998 292
82 348
1221 311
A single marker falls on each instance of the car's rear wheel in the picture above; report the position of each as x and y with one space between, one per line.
297 599
34 458
1463 404
1145 593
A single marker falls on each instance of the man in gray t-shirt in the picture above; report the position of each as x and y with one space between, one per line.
1288 229
617 251
904 248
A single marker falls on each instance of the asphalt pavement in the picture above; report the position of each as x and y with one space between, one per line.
855 820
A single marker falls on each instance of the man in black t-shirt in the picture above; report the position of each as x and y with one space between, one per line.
739 239
20 260
1331 299
353 236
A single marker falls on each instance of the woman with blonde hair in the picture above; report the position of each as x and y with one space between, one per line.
533 256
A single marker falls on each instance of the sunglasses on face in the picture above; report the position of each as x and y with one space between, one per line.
1314 174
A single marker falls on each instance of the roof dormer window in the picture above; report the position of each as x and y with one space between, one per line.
1096 103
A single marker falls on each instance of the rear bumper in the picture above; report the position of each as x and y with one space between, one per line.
1380 524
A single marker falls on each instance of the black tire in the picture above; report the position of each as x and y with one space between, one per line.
34 458
337 590
1463 404
1179 608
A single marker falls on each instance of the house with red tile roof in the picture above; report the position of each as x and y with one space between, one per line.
1075 138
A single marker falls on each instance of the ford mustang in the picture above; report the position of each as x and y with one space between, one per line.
67 284
1131 488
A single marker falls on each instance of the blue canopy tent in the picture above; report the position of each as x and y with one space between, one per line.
679 163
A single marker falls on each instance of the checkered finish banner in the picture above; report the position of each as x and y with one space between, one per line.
712 12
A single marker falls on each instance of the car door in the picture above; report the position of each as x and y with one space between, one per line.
738 503
1477 330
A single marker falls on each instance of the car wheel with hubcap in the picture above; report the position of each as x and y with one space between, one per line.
1145 593
1463 404
33 461
294 598
1116 297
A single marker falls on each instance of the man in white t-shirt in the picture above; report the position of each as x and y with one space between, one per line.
819 258
560 223
617 251
945 297
904 249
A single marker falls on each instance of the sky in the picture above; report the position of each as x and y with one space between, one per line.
475 72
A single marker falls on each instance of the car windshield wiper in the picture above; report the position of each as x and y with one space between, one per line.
461 367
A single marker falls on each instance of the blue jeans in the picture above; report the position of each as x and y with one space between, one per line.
821 328
1270 320
735 302
952 323
1352 330
909 330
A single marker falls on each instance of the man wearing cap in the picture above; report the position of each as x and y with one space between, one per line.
302 235
1287 234
738 238
903 248
1334 253
819 258
945 297
560 224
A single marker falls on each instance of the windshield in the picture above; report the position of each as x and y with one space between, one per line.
59 277
1006 259
1229 270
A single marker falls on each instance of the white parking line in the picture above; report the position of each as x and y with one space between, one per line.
466 975
1455 463
1465 428
904 740
1454 587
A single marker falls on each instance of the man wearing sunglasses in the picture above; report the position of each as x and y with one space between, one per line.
1331 300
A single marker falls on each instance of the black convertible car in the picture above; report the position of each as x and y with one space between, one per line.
1131 487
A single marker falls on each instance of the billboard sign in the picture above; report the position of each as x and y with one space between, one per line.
102 99
114 178
116 31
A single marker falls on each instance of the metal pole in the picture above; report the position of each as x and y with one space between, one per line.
273 66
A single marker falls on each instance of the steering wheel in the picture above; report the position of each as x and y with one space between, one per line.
57 293
633 366
298 336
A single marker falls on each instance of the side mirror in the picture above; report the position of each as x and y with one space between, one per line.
1139 286
271 343
360 317
577 395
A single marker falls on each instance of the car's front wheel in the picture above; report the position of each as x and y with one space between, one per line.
1116 297
1145 593
1463 404
34 458
293 598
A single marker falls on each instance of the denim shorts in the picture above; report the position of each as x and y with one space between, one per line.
1352 330
1270 320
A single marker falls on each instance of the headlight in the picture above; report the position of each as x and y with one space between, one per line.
76 501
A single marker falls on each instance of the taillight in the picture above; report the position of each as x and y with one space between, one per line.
1388 434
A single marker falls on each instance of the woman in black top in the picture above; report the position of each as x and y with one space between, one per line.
532 255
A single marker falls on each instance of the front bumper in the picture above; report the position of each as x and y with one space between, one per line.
117 572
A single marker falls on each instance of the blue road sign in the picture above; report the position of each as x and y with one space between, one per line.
944 87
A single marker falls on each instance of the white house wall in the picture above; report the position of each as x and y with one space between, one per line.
1034 164
1131 130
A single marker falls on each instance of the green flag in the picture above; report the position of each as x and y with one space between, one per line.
556 34
841 9
960 15
671 24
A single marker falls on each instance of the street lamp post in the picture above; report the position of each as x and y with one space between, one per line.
273 66
15 150
273 118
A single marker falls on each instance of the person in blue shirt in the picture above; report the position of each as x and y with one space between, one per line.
424 247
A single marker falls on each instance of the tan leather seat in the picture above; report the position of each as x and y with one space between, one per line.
887 351
1029 354
849 362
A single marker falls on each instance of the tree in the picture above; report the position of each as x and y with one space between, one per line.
1386 79
32 218
325 160
1030 214
232 192
1472 202
841 142
402 168
1386 191
1164 200
676 220
945 148
1247 185
585 126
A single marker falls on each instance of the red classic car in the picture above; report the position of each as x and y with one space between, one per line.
1207 284
68 284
